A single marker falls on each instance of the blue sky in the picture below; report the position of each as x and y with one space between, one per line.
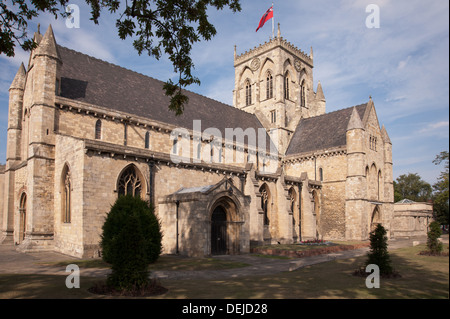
403 64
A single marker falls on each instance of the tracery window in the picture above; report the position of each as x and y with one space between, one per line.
129 182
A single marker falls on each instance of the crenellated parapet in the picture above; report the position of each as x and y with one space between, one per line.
272 44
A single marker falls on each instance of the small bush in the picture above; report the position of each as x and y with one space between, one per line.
131 240
433 244
379 254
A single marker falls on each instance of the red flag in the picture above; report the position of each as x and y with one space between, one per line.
267 16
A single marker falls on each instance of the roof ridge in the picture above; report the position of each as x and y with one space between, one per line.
339 110
103 61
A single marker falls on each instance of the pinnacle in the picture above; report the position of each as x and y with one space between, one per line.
19 79
319 93
355 121
385 135
47 45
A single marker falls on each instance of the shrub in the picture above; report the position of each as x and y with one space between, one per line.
131 239
433 244
379 254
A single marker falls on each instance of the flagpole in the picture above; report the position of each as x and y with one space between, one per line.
273 23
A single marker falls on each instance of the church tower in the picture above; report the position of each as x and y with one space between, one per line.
274 81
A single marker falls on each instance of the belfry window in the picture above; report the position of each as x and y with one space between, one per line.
129 182
286 86
248 93
269 86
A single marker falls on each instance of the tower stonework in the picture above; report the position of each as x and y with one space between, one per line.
274 81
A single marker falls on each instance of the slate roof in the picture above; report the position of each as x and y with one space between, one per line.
90 80
323 131
87 79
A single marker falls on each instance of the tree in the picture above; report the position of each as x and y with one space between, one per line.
441 199
433 244
379 254
411 186
131 239
170 26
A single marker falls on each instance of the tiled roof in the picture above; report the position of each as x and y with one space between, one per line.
322 132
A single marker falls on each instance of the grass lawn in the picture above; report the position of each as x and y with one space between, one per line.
422 277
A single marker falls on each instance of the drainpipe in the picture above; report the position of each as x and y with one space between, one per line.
151 181
299 212
178 205
315 167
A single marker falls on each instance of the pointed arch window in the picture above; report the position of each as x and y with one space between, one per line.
98 130
67 196
130 182
269 86
286 86
303 94
248 93
23 216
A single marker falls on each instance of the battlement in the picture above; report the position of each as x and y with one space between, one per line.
272 44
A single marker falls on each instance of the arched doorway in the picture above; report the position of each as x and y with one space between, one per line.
219 231
23 217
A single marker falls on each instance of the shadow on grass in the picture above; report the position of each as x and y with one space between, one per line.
422 277
42 287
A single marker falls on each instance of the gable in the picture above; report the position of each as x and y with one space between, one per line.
370 119
322 132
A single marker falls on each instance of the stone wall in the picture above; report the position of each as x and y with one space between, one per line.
411 219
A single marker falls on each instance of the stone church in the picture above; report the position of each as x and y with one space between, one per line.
272 168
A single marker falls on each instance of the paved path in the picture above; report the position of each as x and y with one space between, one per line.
14 262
